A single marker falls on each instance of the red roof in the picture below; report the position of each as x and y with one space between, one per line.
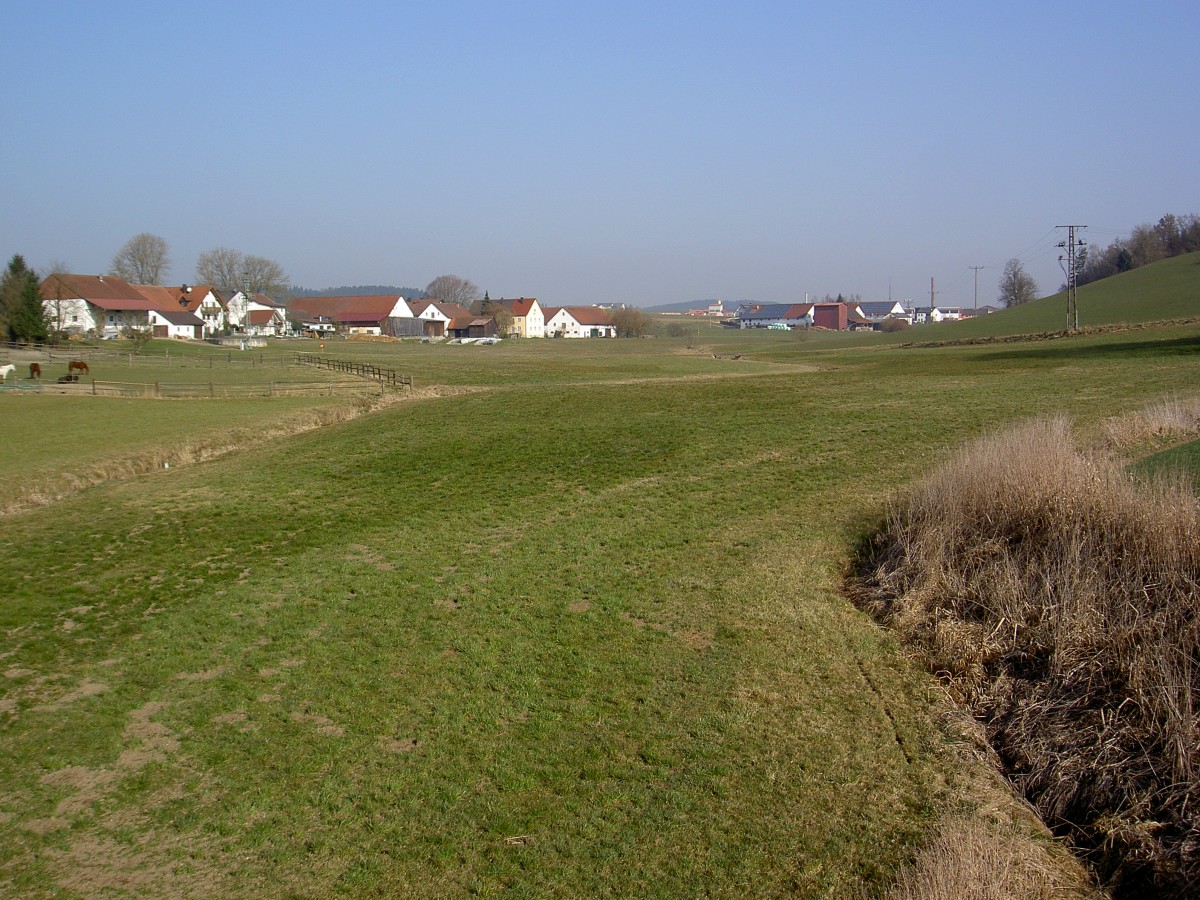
589 315
169 297
519 307
103 291
261 316
370 309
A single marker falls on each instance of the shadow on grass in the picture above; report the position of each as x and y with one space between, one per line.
1067 350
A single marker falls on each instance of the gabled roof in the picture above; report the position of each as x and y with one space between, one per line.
264 316
450 311
103 291
584 315
349 310
879 307
519 307
179 316
169 297
775 311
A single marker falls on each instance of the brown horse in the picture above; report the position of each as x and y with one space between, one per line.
35 371
77 364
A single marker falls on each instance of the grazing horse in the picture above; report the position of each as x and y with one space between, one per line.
35 371
77 364
5 371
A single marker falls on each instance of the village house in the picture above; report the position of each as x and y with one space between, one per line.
579 322
528 318
436 316
176 323
100 306
198 300
370 314
877 311
783 315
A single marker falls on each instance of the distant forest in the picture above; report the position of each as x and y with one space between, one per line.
1169 236
358 290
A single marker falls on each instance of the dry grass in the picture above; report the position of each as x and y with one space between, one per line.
974 859
1060 602
1168 418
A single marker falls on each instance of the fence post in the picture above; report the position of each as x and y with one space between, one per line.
210 390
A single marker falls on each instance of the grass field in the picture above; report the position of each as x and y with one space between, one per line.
574 629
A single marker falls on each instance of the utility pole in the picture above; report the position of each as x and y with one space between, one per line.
932 296
977 268
1068 264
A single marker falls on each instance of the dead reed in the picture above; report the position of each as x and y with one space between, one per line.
1060 602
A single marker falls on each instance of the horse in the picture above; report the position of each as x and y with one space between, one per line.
35 371
7 370
77 364
67 379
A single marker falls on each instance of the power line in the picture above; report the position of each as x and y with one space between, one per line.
976 268
1071 270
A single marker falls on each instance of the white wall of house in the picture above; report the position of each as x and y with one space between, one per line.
569 327
74 316
173 331
535 322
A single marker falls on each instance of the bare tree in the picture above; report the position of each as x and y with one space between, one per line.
630 322
452 289
1016 285
220 267
231 270
57 306
263 274
145 259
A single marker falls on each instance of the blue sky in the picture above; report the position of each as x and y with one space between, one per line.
632 152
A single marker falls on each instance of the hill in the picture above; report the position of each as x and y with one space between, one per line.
1164 290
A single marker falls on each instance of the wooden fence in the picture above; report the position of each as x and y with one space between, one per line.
389 377
218 390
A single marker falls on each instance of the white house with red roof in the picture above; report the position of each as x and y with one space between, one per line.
368 314
201 300
579 322
99 305
176 323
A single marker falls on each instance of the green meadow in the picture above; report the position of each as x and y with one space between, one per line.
571 625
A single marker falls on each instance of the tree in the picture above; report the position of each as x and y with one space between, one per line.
230 270
143 260
56 303
452 289
21 310
630 322
1016 285
502 315
264 275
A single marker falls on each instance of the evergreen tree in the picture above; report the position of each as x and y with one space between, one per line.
21 314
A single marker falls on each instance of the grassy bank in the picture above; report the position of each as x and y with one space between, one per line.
577 632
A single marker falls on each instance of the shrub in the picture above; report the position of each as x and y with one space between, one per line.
1060 602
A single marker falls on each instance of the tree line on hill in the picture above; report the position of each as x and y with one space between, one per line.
1170 236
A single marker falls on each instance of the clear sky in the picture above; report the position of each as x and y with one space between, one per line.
641 152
